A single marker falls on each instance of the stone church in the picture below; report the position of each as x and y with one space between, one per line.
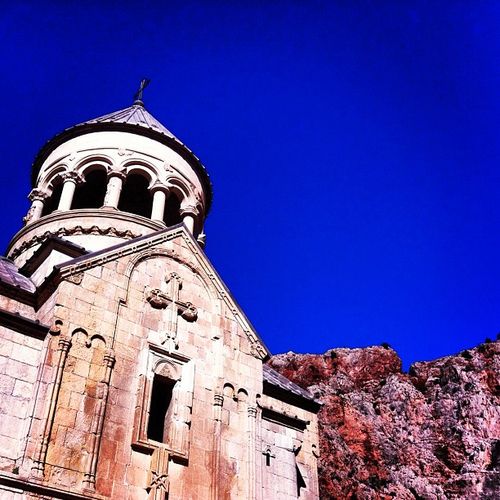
127 369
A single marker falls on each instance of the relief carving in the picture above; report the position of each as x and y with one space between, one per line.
162 299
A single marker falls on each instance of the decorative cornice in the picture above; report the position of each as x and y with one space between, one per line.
75 216
77 230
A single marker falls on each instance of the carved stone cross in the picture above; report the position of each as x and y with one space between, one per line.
160 299
159 483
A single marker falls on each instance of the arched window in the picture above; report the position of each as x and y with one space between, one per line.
135 196
90 194
52 202
172 210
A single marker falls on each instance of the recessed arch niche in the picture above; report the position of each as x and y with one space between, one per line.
52 202
135 196
91 192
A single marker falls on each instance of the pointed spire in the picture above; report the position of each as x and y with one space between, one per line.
138 95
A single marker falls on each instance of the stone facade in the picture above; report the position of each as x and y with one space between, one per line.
127 370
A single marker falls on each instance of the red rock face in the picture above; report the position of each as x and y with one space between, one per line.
433 433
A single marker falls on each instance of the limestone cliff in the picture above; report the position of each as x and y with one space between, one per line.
432 433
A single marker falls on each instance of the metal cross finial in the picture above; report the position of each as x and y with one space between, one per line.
138 95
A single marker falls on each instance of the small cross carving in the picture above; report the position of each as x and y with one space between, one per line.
160 299
268 454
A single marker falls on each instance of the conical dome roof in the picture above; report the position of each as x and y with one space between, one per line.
134 119
134 115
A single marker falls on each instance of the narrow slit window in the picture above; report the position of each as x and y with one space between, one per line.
161 401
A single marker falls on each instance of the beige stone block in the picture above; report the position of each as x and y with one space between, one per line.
25 354
6 384
22 389
9 446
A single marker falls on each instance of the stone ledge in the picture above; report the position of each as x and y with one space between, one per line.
24 325
28 485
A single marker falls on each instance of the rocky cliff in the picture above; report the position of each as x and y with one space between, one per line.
432 433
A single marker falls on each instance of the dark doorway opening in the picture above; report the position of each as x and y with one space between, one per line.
90 194
52 202
161 399
135 196
172 211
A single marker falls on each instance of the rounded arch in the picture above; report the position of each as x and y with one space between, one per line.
93 162
167 369
228 390
180 189
142 167
46 183
242 395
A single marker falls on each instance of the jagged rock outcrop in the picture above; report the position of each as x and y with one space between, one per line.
432 433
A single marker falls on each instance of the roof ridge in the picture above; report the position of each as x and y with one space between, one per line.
133 115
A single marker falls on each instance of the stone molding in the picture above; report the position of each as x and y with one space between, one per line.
75 217
180 369
77 230
26 485
21 324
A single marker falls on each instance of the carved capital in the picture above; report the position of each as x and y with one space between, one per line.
158 186
117 173
37 195
109 359
189 210
218 399
72 176
252 411
64 344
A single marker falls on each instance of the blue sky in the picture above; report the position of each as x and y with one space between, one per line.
353 147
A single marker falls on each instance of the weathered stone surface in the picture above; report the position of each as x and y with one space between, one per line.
433 433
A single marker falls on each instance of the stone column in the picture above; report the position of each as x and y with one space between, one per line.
216 443
114 188
70 180
159 198
98 420
188 214
38 467
251 436
37 198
